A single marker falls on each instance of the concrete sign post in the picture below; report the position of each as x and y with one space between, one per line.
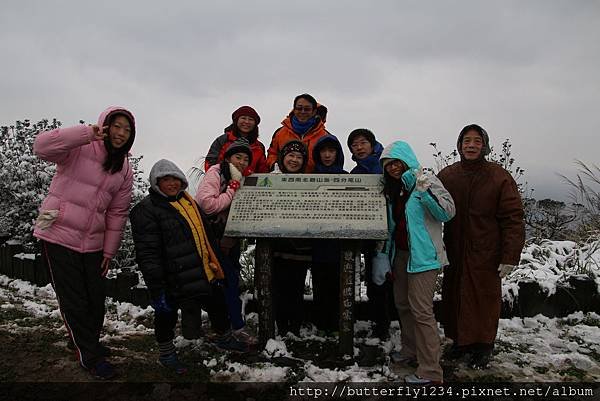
334 206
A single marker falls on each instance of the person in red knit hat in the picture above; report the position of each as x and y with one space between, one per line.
244 124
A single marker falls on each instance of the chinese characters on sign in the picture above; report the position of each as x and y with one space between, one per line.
309 206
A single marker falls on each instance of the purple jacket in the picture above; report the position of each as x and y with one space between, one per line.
93 204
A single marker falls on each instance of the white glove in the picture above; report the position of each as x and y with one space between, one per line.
276 169
504 270
423 180
235 173
46 219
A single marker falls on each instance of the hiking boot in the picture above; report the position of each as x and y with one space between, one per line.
103 370
421 381
403 360
172 363
228 342
244 336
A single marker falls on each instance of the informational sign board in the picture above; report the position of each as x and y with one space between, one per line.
343 206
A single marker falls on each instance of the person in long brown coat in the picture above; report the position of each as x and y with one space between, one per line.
483 242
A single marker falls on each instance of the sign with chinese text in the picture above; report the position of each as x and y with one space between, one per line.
344 206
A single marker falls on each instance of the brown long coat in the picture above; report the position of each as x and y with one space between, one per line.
488 229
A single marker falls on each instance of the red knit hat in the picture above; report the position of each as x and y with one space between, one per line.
245 111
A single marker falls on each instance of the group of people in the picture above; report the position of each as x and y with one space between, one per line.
467 220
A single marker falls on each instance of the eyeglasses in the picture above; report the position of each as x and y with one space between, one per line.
303 108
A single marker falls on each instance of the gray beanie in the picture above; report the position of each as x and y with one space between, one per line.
240 145
163 168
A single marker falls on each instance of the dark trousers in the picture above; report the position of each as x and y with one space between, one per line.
288 294
326 295
80 291
232 289
381 301
214 304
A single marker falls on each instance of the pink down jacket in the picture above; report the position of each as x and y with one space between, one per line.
93 204
209 195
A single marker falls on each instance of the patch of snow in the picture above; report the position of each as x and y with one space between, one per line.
276 348
237 372
30 256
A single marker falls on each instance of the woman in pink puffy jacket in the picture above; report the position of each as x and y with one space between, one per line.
81 222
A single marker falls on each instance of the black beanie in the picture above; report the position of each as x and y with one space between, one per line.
293 146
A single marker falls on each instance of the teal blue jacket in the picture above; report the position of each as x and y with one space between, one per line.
425 212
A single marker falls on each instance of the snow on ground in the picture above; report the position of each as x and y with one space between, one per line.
550 263
529 349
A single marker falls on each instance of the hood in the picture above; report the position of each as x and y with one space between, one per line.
122 110
338 165
485 150
402 151
370 164
163 168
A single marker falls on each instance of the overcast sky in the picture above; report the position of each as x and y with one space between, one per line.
411 70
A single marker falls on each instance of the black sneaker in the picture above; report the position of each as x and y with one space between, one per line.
172 363
228 342
103 370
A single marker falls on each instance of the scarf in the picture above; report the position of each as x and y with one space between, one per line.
302 128
187 207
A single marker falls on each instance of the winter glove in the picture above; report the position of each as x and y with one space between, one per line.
236 175
46 219
423 180
381 266
504 270
160 304
276 169
235 185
